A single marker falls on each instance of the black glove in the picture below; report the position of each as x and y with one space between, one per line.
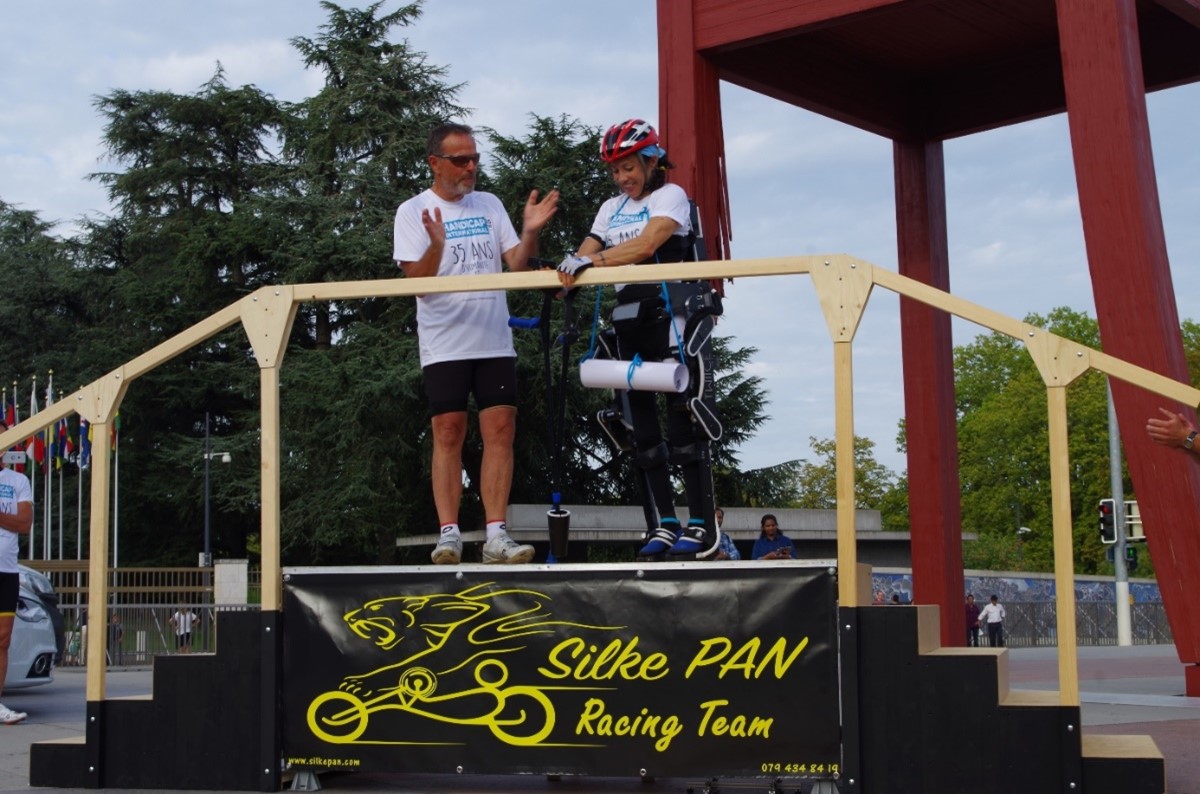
574 265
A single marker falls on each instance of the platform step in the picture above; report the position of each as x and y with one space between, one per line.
60 762
1123 765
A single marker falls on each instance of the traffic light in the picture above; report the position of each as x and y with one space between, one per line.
1108 527
1133 523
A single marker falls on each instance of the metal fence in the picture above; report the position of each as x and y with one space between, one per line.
137 619
126 586
1034 624
142 601
136 633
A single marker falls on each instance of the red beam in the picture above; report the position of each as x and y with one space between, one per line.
721 23
934 507
1131 281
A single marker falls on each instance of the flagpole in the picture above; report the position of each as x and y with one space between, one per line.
79 516
60 439
60 515
116 490
30 463
47 488
82 464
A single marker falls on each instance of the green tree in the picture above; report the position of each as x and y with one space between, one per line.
353 152
46 299
1004 465
1191 346
189 237
817 482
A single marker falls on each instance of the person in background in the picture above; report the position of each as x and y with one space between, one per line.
772 544
183 620
16 518
992 616
116 633
972 622
466 345
725 550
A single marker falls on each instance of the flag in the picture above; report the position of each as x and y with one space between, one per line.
35 448
62 444
68 448
85 443
12 415
38 446
46 434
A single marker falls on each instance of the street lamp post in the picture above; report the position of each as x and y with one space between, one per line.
206 561
1021 533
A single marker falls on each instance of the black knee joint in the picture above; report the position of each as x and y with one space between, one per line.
653 457
683 455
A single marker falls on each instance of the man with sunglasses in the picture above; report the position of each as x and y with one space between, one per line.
16 518
465 342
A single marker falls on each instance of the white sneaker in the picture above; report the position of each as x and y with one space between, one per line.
503 549
10 717
448 550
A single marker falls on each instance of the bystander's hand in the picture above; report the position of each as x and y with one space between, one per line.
1172 430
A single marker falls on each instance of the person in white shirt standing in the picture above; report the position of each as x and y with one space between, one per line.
465 342
992 616
183 620
16 518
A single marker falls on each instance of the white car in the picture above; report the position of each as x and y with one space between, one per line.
35 646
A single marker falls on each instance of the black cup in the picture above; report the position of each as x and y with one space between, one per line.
560 526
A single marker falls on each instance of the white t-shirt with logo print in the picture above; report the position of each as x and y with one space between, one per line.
622 218
456 326
14 489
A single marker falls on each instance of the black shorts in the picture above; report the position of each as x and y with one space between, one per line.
448 384
183 639
10 585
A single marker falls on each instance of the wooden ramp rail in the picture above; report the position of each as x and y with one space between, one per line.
843 285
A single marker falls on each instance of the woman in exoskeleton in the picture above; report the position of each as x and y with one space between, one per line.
649 222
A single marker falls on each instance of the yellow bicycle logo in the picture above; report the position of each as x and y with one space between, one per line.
517 715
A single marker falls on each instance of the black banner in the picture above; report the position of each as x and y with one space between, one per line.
661 669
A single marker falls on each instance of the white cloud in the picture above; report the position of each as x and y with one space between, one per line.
263 62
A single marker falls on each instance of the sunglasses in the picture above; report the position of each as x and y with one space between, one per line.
459 160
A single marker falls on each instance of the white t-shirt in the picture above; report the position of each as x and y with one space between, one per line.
622 218
992 613
14 489
183 621
460 325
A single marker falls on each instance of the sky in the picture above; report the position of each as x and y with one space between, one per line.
799 184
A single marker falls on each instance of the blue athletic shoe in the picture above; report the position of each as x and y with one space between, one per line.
692 541
659 542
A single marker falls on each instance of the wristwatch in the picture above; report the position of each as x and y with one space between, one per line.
1191 439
